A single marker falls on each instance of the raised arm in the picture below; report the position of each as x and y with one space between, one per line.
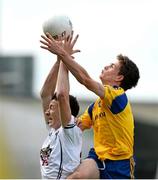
77 70
63 94
49 86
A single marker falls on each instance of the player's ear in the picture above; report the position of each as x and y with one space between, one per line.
119 78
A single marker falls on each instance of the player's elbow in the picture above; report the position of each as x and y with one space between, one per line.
62 95
42 94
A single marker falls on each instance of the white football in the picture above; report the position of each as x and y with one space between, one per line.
57 25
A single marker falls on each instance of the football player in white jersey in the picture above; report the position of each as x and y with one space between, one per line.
61 151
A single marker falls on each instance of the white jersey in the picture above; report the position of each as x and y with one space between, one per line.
61 152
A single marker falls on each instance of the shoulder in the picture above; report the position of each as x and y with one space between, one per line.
72 131
72 124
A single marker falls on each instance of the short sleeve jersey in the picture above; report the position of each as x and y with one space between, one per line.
113 124
60 153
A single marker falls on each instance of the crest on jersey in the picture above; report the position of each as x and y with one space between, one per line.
44 154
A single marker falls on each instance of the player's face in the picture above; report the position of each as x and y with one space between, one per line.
53 112
110 74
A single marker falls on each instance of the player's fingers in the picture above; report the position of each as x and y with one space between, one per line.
71 36
45 43
45 38
60 38
69 40
76 51
49 36
74 41
44 47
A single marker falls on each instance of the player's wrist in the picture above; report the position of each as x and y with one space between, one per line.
65 55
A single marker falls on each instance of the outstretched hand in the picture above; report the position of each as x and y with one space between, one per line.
69 43
59 47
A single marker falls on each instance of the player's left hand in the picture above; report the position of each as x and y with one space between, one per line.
58 46
69 43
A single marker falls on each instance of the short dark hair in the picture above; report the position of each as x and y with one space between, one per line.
74 105
130 72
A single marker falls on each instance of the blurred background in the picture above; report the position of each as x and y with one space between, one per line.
106 29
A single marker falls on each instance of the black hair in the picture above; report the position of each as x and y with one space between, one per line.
130 72
74 105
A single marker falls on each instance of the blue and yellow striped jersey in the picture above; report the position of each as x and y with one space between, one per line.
113 124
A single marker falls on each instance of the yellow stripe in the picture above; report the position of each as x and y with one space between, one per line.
132 167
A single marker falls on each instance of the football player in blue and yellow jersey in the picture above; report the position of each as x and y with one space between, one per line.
110 115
